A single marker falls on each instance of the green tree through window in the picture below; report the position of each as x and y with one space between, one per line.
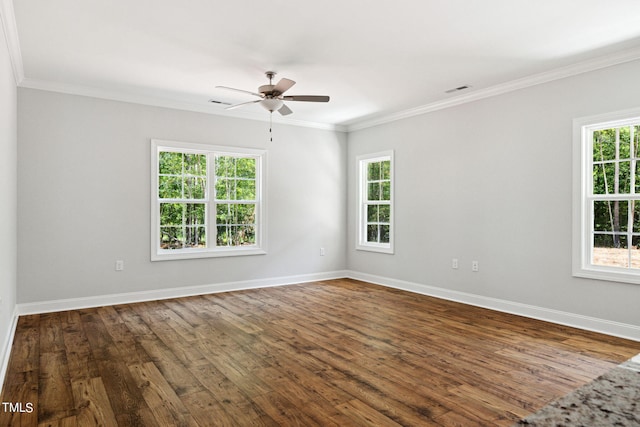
208 201
615 194
182 185
375 216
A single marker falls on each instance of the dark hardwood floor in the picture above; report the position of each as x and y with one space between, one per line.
335 353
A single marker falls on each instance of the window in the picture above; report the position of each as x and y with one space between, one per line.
375 210
206 201
607 197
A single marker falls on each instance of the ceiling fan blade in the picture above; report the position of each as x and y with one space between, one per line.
307 98
239 90
284 110
242 104
283 86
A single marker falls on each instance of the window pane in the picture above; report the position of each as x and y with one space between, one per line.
603 178
248 235
384 234
386 169
245 189
245 214
227 213
225 189
386 190
373 192
636 140
610 215
372 233
234 235
195 214
222 235
604 145
223 214
170 163
610 250
373 171
169 187
171 238
225 166
195 164
241 236
182 225
171 213
372 213
195 237
385 213
624 178
194 188
246 167
625 139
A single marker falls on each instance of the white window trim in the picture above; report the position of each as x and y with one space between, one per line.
361 241
582 181
259 248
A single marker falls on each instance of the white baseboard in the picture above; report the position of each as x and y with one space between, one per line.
608 327
160 294
622 330
7 346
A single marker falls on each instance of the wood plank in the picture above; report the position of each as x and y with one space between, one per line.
55 399
338 352
208 412
20 387
63 422
228 396
283 411
80 360
93 406
125 398
166 406
364 415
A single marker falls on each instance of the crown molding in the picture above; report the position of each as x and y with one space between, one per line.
10 29
154 101
511 86
8 22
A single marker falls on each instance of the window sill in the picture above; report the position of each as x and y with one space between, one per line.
608 274
372 248
209 253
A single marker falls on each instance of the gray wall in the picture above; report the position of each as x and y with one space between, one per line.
491 181
84 186
8 193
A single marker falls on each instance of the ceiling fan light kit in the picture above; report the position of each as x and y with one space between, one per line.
271 104
272 96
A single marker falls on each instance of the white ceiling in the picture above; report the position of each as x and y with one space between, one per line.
375 58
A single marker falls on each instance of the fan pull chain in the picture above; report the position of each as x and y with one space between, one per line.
271 127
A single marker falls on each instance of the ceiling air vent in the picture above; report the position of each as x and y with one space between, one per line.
457 89
215 101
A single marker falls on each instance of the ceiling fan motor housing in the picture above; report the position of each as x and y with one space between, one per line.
267 90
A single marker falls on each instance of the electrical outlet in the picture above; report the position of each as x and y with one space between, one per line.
454 263
475 266
119 265
322 252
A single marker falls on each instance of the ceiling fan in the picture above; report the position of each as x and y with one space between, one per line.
272 96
